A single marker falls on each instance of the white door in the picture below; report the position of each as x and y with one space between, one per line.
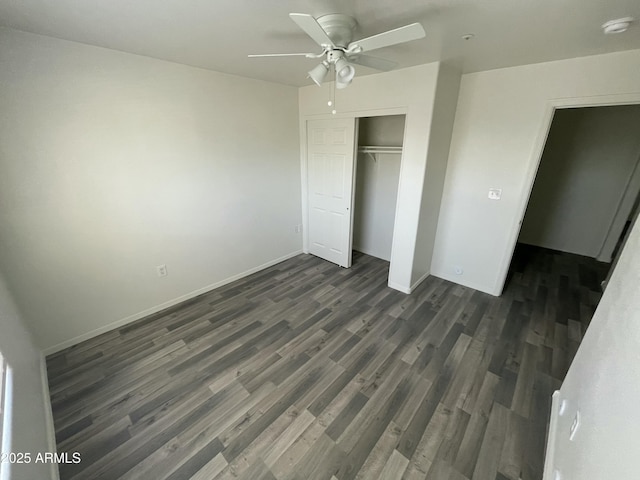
330 160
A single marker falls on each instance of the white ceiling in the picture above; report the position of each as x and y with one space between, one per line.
218 34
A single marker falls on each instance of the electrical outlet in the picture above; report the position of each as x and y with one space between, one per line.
495 193
161 270
297 229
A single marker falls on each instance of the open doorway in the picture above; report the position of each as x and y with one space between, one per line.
584 199
378 160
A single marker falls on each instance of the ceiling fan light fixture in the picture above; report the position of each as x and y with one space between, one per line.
319 73
344 71
340 84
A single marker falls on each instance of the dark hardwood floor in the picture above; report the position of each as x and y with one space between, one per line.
309 371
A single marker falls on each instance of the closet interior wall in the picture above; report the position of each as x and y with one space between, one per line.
377 176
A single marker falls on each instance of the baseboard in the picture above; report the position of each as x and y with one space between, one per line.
162 306
407 290
400 288
370 253
48 415
605 258
419 281
459 281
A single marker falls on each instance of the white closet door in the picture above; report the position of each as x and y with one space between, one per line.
330 161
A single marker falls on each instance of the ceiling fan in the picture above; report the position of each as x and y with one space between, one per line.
334 34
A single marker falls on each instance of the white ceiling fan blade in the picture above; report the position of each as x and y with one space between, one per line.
374 62
392 37
312 28
279 55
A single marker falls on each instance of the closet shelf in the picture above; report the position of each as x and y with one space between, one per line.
379 149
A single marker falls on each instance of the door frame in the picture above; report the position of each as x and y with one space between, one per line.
355 114
628 198
534 163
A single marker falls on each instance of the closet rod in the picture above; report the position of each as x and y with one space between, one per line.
379 149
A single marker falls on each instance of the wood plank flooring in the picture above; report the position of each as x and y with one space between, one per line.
309 371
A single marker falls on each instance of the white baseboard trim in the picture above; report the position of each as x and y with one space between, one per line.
459 281
370 253
400 288
419 281
162 306
48 415
407 290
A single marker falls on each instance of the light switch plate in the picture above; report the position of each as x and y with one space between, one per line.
495 193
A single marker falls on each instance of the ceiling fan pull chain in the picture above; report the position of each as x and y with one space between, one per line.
332 101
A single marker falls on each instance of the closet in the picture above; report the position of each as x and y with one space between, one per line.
377 176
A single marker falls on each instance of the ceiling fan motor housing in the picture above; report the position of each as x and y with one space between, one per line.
339 28
334 55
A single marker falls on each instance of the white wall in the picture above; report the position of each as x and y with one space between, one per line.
587 162
376 193
114 163
30 424
501 121
440 139
411 91
385 131
603 384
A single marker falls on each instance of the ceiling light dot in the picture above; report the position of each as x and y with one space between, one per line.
617 26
